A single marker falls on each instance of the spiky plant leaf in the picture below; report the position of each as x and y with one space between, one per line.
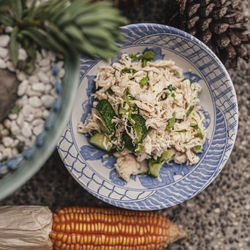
68 27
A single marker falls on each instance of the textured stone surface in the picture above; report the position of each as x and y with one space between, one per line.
217 218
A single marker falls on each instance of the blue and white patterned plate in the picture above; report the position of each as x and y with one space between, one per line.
176 183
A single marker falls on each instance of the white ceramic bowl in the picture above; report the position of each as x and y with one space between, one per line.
176 183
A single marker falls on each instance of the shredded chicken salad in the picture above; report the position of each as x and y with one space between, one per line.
145 113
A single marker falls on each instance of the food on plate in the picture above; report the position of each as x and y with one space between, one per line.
146 114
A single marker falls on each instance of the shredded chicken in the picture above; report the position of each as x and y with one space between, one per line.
165 96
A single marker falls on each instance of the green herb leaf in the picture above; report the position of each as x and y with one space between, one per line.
113 138
171 87
173 94
171 122
16 109
126 70
143 81
134 71
166 94
200 134
139 148
14 46
198 147
194 125
182 130
189 111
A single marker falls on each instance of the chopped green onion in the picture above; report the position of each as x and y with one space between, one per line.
165 97
190 110
16 109
126 70
173 95
194 125
143 81
134 71
198 147
182 130
145 57
171 87
129 114
171 122
113 138
200 134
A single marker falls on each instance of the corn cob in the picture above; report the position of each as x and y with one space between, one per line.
98 228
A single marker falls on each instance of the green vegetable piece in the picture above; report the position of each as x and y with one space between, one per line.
127 97
194 125
166 155
171 122
200 134
134 71
101 141
189 111
154 167
126 70
171 87
133 57
143 81
165 97
181 130
149 55
139 148
198 148
127 141
173 94
16 109
122 111
139 126
106 113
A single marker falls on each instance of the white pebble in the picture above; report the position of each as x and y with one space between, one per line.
45 69
31 92
1 155
44 62
38 129
38 87
26 130
14 128
14 151
15 143
60 64
1 126
35 101
45 114
38 57
61 73
27 110
12 116
43 77
7 152
2 148
22 55
44 53
7 123
47 100
22 88
2 64
20 119
3 52
33 79
7 141
37 122
4 132
29 118
10 67
21 76
51 56
22 101
47 88
4 40
8 29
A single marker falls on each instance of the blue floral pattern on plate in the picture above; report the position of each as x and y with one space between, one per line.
176 183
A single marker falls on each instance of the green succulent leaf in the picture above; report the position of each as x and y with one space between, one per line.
14 46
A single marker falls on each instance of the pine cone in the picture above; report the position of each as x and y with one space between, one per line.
220 24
